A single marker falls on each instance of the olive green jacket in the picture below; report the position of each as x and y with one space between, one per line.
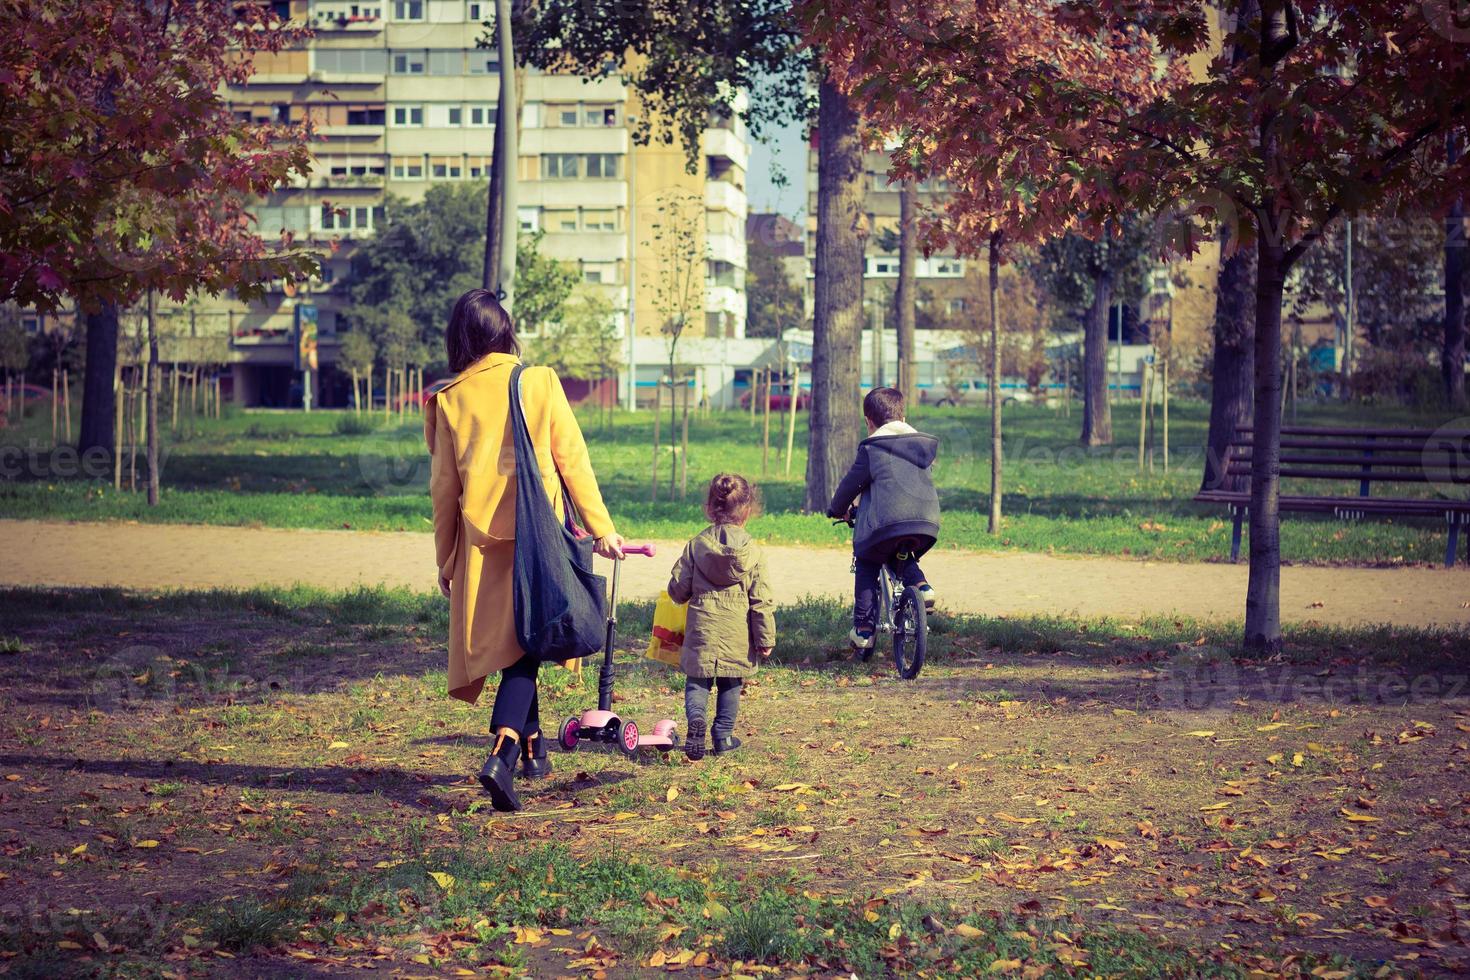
721 574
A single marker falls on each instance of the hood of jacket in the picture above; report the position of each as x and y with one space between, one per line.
917 448
722 553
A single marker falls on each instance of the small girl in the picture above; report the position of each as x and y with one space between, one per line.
731 628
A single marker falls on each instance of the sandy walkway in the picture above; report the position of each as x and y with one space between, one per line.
189 556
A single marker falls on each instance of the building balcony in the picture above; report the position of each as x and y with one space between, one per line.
726 248
374 132
724 299
346 180
720 195
347 78
725 143
326 24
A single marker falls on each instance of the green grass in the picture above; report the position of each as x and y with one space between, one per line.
812 630
333 470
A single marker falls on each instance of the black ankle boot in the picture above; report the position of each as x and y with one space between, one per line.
723 745
534 764
498 774
694 740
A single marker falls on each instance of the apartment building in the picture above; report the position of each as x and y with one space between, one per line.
403 98
941 286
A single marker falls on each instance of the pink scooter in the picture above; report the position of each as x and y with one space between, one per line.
604 725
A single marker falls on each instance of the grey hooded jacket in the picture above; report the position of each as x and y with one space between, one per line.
721 574
892 474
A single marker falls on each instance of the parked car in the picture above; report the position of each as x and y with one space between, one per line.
780 399
977 392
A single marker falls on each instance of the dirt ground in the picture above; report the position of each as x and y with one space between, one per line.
187 556
151 761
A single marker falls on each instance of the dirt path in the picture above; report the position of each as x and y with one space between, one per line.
188 556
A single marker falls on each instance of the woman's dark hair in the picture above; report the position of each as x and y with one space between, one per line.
478 326
731 500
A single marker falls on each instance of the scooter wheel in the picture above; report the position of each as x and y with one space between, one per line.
570 736
628 739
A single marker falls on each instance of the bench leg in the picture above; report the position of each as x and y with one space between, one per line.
1452 548
1235 536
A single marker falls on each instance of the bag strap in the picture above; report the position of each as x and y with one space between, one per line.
521 433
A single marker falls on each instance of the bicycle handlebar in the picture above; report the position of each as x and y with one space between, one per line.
640 549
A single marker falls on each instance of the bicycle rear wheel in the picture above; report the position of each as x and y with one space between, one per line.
910 634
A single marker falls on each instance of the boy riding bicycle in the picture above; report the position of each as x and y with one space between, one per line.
899 517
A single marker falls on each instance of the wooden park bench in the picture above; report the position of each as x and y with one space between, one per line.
1361 456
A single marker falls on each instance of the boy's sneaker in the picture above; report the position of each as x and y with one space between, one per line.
694 741
861 640
927 593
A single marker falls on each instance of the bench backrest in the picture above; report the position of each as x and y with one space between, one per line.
1368 456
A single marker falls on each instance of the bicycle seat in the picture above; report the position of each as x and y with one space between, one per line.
907 546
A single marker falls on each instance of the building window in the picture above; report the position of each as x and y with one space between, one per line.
565 115
446 168
530 219
602 165
365 115
600 220
409 62
948 267
408 168
484 61
456 115
408 9
885 267
956 305
350 61
560 166
479 167
475 12
559 220
600 115
482 115
408 115
446 62
723 274
600 272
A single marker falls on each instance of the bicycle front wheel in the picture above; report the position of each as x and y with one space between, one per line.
910 634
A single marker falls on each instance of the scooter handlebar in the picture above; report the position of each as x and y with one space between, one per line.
640 549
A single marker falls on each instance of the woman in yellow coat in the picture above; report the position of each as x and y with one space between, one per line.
472 484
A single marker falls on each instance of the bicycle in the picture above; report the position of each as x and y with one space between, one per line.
901 615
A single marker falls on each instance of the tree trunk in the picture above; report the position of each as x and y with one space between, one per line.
1233 373
995 401
684 450
1263 593
904 296
836 413
658 394
153 385
98 401
1097 413
766 429
1452 358
673 427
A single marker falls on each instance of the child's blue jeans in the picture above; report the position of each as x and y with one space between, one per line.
865 586
727 703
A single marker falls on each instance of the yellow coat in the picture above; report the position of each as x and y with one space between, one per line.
472 484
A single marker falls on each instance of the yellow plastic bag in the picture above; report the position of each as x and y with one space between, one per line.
667 641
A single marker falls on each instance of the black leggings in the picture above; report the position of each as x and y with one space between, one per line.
517 706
